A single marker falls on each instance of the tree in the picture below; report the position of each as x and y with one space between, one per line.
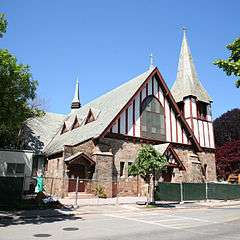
231 66
148 164
3 24
228 159
17 89
227 139
226 127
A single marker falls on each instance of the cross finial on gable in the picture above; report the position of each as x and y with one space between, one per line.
151 61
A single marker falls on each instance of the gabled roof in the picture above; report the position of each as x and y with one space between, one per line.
37 132
76 155
105 107
187 82
108 107
161 148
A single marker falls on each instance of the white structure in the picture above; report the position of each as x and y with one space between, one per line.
17 163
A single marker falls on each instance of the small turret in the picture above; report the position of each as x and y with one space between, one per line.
76 100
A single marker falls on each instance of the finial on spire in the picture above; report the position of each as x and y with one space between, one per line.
76 100
184 31
151 61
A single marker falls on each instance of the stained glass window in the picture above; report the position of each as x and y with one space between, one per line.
152 119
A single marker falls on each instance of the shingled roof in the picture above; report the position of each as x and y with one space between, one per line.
187 82
38 132
107 106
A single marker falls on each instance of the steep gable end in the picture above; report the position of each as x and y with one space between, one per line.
173 127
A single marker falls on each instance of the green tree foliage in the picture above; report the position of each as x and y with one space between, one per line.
148 164
17 89
231 66
3 24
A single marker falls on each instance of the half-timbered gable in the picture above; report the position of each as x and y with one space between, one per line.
152 114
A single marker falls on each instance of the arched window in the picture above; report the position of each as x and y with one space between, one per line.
152 119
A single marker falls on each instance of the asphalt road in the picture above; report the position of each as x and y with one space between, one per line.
129 223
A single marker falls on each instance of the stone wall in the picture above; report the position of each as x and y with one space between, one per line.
86 147
55 182
194 164
131 186
191 163
108 153
208 158
123 151
104 170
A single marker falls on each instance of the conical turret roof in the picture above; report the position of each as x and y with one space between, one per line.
187 82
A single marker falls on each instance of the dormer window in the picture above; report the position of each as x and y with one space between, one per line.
202 110
64 129
75 124
90 117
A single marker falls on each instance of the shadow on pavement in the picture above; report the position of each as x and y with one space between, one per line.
35 217
165 205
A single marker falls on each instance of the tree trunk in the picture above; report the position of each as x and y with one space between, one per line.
148 194
153 187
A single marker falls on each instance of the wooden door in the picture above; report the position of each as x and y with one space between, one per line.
77 171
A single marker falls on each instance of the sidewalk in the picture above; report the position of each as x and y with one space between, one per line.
102 201
218 203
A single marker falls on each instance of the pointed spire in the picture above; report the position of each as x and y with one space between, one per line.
187 82
76 100
151 66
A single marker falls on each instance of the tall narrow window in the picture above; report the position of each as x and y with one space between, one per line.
129 165
181 106
122 169
202 110
152 119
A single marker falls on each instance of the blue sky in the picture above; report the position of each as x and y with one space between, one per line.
105 43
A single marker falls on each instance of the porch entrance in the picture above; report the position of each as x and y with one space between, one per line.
81 167
77 171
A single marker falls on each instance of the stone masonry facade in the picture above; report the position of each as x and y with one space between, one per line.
112 158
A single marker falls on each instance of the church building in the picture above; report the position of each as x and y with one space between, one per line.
97 142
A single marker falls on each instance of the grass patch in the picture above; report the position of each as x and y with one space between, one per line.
151 206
